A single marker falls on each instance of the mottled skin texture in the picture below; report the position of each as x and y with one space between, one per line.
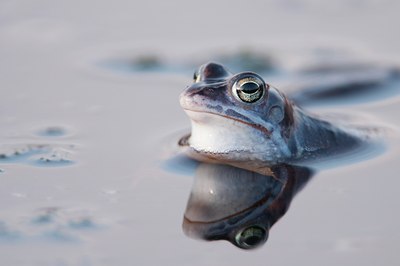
266 132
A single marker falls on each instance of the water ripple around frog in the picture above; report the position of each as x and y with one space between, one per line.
62 225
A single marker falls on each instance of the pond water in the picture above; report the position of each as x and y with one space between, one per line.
85 136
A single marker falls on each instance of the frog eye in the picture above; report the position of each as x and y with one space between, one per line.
251 237
249 89
196 77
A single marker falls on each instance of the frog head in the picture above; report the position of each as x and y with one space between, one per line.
236 117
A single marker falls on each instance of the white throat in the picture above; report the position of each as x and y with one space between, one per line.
212 133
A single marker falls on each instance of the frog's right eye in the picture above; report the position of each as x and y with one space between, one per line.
249 89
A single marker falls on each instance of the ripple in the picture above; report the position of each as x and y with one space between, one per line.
246 59
45 215
242 59
54 224
143 64
65 218
52 131
7 234
56 157
37 154
12 153
339 78
82 223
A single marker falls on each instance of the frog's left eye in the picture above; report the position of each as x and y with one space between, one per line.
196 77
249 89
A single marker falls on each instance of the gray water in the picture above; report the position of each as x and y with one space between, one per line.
83 179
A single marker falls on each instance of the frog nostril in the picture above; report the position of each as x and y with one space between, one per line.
207 92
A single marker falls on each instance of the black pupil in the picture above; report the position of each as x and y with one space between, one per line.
249 87
252 240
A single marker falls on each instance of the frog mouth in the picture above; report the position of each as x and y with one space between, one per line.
203 117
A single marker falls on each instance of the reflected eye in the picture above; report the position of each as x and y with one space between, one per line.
251 237
249 89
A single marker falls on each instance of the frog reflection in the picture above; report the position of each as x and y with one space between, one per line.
228 203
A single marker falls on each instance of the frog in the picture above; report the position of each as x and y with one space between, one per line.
256 146
241 120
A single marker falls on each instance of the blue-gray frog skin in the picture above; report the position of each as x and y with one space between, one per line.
239 117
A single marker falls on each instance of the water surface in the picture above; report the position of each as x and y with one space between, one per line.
113 203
